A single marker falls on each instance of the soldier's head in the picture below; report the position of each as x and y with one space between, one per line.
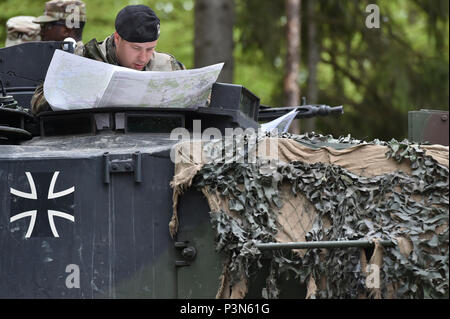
136 36
62 19
21 29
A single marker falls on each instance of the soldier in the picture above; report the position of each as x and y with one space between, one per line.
21 29
62 19
132 45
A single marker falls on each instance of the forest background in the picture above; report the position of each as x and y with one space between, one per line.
377 74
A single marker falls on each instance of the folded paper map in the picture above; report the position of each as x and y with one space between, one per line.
74 82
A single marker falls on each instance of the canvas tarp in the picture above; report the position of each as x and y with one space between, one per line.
297 214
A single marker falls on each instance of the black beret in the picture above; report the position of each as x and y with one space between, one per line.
137 23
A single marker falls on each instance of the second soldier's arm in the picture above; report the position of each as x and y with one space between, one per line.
38 102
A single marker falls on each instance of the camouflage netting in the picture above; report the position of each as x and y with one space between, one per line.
371 190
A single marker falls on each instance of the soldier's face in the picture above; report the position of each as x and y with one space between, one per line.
133 55
54 31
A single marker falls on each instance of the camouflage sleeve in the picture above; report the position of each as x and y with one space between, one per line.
176 65
38 102
79 49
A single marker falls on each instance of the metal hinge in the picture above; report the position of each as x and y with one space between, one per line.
123 163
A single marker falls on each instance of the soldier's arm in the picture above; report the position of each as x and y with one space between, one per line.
176 65
38 102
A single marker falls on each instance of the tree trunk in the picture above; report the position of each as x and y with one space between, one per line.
309 125
213 39
291 85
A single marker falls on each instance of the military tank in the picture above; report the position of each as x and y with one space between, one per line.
85 196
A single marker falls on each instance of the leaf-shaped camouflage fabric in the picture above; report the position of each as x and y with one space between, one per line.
411 208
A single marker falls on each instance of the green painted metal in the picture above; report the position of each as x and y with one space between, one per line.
197 264
322 244
428 126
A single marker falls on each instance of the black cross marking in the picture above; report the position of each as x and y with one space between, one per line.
42 204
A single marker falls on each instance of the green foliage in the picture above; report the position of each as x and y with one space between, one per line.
177 21
378 75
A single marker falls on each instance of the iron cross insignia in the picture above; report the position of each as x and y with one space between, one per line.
42 204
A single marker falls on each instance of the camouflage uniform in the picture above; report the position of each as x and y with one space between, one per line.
59 10
67 10
105 51
22 29
70 11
